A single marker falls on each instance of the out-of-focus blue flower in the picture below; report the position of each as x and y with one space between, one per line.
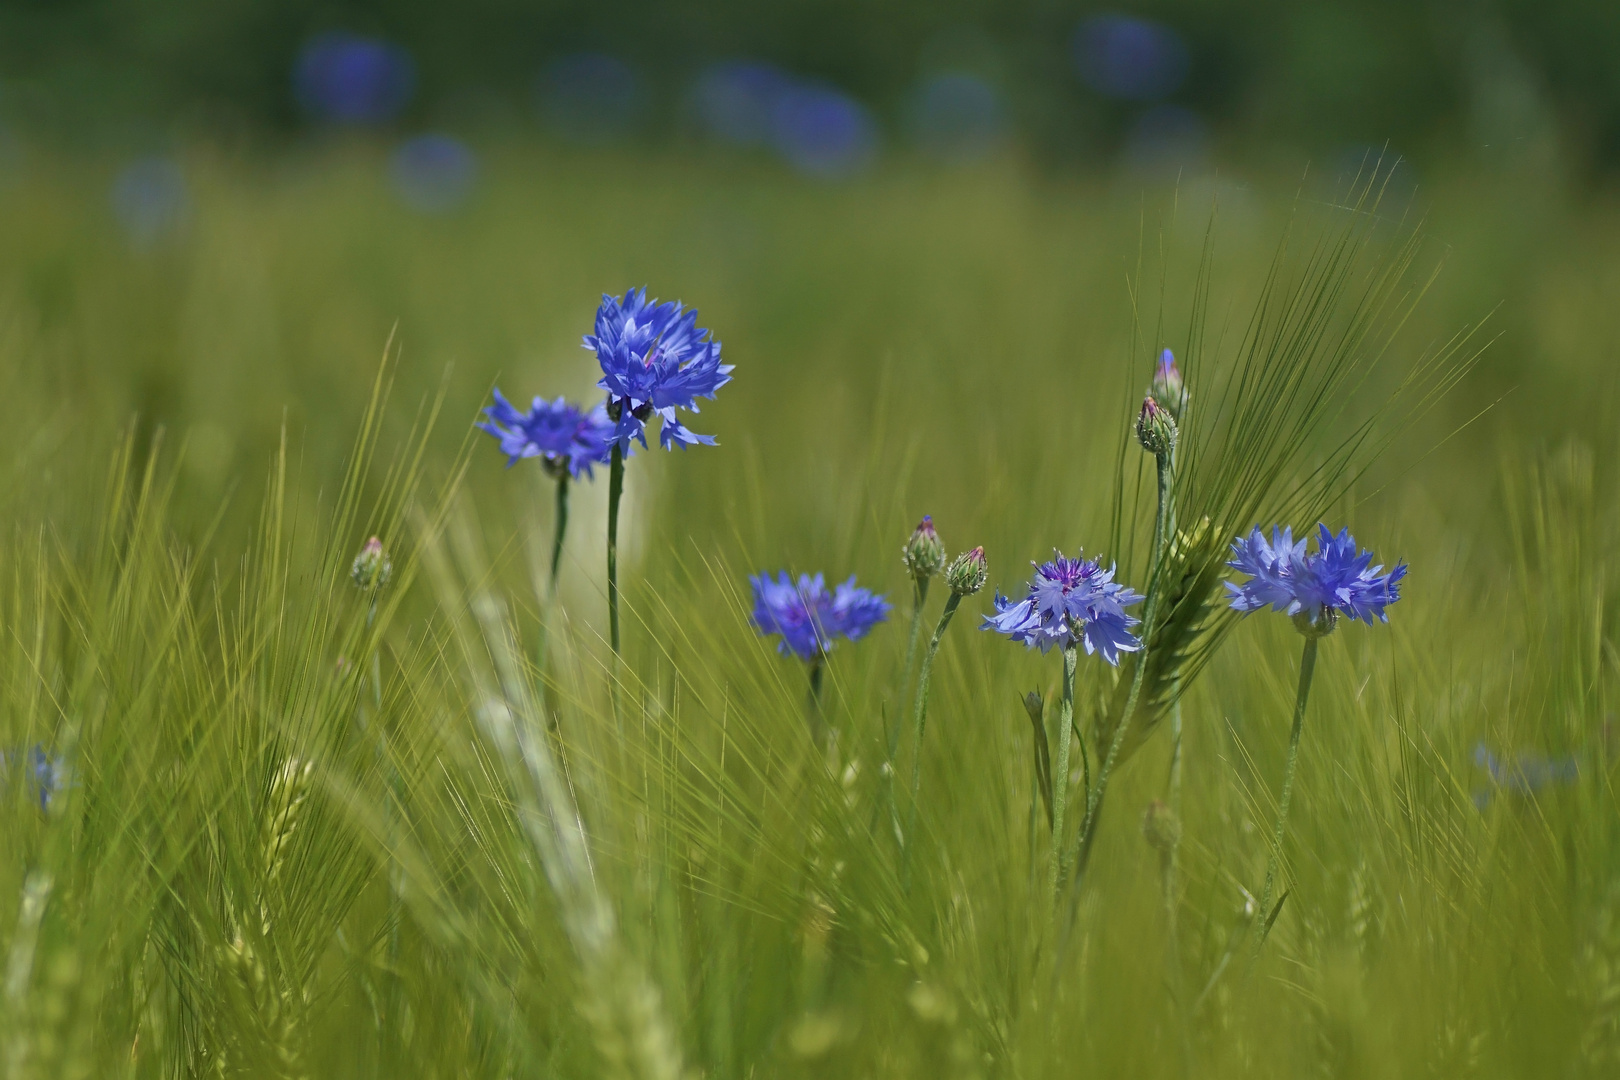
957 117
1166 140
350 79
1524 774
44 774
1335 578
1068 597
590 97
563 436
149 197
808 617
735 100
823 132
433 173
655 359
1122 56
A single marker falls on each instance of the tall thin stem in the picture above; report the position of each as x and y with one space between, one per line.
1060 776
1088 827
919 596
1307 666
560 526
615 492
920 711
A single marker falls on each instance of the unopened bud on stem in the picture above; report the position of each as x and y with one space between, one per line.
968 573
1155 428
1160 827
1168 389
923 554
371 568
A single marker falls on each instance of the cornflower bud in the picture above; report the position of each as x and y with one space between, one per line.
1155 428
1160 827
968 573
371 569
923 554
1167 387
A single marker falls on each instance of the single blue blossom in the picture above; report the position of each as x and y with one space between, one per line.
655 359
808 617
1523 774
1069 598
1315 586
44 774
565 437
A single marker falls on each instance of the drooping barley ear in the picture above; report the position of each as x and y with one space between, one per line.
269 1002
289 790
1192 577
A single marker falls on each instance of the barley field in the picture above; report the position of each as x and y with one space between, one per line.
273 812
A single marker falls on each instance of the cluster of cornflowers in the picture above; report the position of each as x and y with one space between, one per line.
655 361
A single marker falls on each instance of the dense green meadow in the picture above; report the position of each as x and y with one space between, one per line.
301 830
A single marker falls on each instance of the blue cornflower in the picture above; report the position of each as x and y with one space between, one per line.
1315 587
1069 597
563 436
808 617
44 774
655 359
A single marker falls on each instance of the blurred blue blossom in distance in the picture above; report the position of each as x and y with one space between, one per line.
956 116
150 200
1122 56
433 173
349 79
823 132
808 617
590 97
735 100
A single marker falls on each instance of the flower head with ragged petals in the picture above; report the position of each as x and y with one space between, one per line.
655 359
1316 586
1070 597
564 437
808 617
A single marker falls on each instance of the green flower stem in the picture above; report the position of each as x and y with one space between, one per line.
1060 776
919 596
920 711
1088 826
1307 666
615 493
561 527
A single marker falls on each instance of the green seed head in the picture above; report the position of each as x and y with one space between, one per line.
1155 428
371 568
1317 624
968 573
923 554
1160 827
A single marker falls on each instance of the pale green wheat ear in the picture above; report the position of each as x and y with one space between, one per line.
1192 578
